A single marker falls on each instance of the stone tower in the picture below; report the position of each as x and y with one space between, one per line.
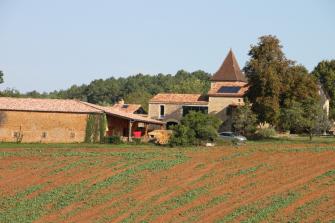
228 86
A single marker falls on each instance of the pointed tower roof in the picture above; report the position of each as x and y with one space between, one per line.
229 70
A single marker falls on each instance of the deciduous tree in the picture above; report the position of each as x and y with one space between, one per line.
325 72
265 70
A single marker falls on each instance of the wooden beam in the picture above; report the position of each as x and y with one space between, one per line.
130 130
146 125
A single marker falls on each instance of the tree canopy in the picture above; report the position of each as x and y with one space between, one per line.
264 70
133 89
325 73
276 83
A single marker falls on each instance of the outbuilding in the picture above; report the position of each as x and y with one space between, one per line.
62 121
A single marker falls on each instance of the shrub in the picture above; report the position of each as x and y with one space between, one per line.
266 133
182 136
95 128
103 127
137 141
113 140
196 128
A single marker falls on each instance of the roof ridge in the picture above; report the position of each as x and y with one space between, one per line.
181 93
44 105
60 99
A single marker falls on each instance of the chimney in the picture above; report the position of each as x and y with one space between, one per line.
120 102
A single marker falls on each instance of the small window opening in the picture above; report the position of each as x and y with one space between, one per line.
44 134
162 111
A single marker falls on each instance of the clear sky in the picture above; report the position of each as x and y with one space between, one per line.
50 45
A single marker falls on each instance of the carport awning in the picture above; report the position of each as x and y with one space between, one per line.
133 117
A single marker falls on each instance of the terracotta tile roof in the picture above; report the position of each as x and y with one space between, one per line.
167 98
45 105
129 108
67 106
229 70
122 114
214 91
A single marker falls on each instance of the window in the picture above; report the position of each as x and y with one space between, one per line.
229 110
44 134
228 134
161 111
187 109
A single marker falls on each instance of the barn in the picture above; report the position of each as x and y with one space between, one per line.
63 121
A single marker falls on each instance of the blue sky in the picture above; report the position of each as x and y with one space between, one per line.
50 45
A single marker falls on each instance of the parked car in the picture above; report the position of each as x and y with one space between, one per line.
232 136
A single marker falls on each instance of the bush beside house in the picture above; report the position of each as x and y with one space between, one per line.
196 128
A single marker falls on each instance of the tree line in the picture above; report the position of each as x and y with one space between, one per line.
279 87
133 89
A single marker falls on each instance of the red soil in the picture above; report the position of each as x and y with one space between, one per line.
247 177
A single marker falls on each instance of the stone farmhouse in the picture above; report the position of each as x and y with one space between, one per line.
56 120
228 87
65 121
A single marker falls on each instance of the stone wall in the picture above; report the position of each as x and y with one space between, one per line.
218 106
45 127
173 112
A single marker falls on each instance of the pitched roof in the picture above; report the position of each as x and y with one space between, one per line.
229 70
167 98
215 89
122 114
45 105
129 108
66 106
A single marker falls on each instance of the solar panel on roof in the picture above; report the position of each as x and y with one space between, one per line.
229 89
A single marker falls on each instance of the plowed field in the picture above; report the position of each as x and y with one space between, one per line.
252 183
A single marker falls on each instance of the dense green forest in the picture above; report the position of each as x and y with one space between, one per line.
133 89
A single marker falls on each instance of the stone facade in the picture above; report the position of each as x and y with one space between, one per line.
47 127
62 121
228 87
173 112
218 106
